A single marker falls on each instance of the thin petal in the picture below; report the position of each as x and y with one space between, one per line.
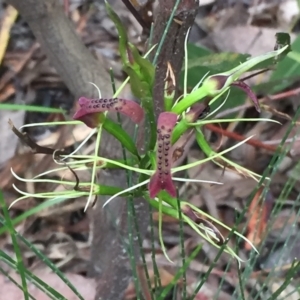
90 108
162 178
246 88
197 111
215 83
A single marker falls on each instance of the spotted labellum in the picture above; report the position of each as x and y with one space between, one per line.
162 178
90 110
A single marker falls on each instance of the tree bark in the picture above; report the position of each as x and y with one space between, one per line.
172 50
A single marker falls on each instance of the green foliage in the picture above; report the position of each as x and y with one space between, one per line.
287 70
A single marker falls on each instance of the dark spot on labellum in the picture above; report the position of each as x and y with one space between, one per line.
94 106
167 148
103 105
169 130
159 168
89 107
158 130
166 164
163 127
159 150
105 100
167 136
166 172
167 143
98 105
160 145
160 157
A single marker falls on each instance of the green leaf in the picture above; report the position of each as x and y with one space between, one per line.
147 70
201 61
41 109
51 265
123 39
139 88
121 135
19 264
217 62
282 39
53 294
195 51
131 58
287 70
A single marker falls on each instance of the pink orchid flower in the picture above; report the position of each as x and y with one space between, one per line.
162 178
90 110
221 81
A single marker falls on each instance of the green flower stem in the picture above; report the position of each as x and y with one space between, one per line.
168 103
203 143
121 135
189 100
179 130
170 211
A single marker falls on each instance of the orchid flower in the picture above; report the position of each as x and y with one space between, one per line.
216 85
219 81
162 179
189 108
90 110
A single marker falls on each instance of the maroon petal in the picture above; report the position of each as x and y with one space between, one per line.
90 108
246 88
197 111
162 178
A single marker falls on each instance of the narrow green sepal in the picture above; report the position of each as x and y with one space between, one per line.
121 135
123 39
